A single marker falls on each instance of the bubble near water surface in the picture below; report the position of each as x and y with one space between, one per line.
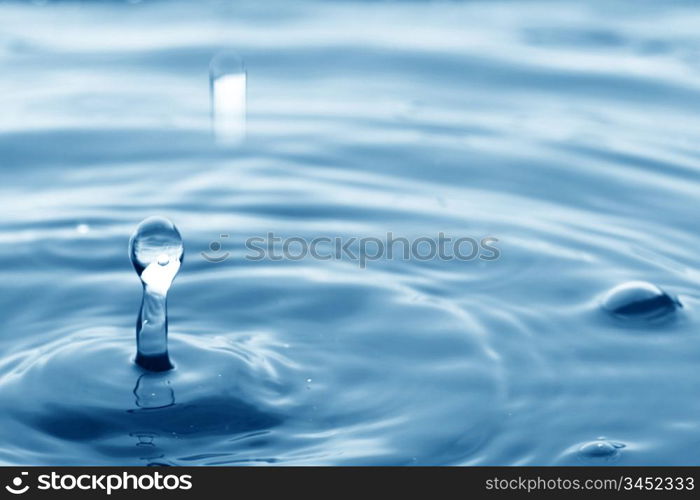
639 300
600 449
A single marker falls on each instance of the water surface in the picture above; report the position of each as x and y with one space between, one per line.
567 131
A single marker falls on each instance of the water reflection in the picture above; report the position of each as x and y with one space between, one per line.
154 390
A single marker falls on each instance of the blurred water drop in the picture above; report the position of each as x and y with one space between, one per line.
227 85
639 300
82 229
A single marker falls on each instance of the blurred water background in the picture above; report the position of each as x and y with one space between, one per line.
567 130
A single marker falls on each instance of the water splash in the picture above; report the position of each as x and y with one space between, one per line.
156 251
412 362
227 85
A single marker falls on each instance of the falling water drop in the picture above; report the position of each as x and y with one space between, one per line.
227 86
639 300
156 251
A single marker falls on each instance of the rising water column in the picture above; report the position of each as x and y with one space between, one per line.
227 86
156 251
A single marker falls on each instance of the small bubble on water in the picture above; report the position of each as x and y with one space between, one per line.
600 449
639 300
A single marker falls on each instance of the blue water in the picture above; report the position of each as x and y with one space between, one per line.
568 131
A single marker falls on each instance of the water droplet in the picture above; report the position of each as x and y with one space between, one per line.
227 83
639 300
154 239
163 259
308 380
600 449
82 228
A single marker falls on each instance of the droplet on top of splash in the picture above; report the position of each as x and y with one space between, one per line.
156 251
155 238
227 86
